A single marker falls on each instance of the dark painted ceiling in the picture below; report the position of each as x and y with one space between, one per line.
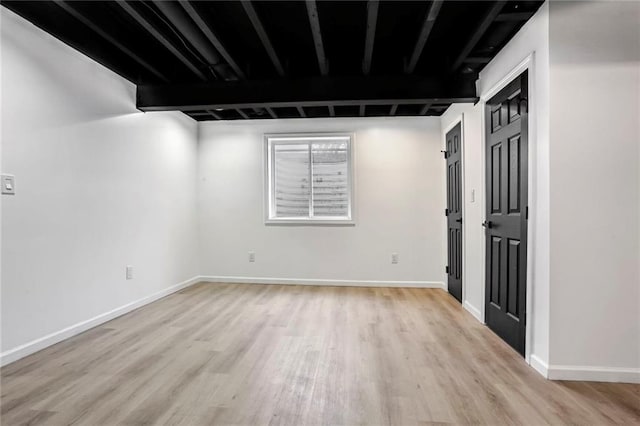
225 60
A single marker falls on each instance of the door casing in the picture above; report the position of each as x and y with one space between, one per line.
527 64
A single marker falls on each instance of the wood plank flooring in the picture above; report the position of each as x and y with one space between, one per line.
244 354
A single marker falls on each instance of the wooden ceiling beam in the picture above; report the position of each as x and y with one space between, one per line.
214 115
477 34
513 16
67 6
316 31
425 31
319 91
425 108
372 19
213 39
262 34
160 38
187 31
477 60
271 112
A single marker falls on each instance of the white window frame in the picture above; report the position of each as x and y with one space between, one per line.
270 140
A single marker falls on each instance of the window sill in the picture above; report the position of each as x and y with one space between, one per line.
310 222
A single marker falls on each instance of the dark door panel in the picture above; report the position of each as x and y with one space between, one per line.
506 221
453 156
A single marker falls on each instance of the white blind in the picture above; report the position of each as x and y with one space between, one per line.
330 179
291 183
310 178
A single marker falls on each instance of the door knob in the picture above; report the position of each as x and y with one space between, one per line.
487 224
459 220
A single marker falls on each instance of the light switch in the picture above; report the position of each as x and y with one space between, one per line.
8 184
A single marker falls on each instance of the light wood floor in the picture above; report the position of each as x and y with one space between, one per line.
297 355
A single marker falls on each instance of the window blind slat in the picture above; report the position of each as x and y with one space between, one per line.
330 179
291 180
295 181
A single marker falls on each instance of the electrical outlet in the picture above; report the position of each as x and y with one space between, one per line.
8 184
252 256
394 258
129 272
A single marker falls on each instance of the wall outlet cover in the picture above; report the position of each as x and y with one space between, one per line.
129 272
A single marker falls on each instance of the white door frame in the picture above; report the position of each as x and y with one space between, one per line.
527 64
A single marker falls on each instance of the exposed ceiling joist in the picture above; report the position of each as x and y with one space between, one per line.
262 34
425 108
185 55
184 25
271 112
320 91
213 39
316 31
477 60
214 115
425 31
67 6
513 16
160 38
477 34
372 19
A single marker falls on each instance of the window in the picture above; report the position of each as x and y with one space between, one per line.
309 178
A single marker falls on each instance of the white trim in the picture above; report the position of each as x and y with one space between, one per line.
473 311
311 222
270 139
585 373
36 345
323 282
527 64
594 374
539 365
523 66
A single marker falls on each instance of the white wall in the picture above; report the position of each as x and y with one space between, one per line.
99 186
531 41
399 205
585 187
473 211
595 192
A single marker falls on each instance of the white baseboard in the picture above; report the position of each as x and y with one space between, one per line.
585 373
320 282
594 374
539 365
21 351
473 311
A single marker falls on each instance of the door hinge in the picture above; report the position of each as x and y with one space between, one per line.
526 213
446 269
446 212
445 153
